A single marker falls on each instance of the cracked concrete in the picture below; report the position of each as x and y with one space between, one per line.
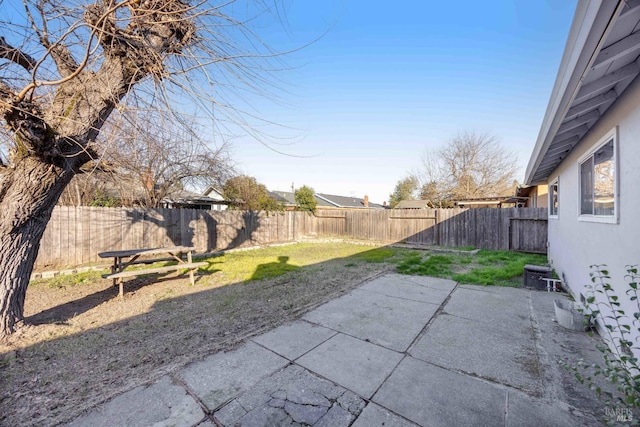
399 351
292 396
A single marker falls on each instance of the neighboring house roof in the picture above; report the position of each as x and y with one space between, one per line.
285 197
322 203
184 198
497 201
413 204
525 190
323 200
347 201
480 201
598 64
214 193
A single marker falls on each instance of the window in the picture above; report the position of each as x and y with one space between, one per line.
598 182
553 198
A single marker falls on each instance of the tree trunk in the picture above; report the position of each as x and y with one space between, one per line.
30 192
54 136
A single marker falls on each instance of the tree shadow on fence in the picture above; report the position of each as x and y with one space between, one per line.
205 230
181 227
177 330
210 230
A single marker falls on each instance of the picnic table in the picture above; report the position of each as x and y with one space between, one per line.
128 257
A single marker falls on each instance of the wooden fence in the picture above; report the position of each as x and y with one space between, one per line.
75 236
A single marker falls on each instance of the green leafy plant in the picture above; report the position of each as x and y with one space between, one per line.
103 199
305 199
620 364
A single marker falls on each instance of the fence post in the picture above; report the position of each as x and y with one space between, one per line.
436 226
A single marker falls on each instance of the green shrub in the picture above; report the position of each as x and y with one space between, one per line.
620 365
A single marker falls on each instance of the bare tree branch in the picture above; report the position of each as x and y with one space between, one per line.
470 165
88 59
15 55
60 53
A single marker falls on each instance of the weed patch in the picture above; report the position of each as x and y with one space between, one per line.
501 268
435 265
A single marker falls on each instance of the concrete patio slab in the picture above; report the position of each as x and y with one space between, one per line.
292 396
527 411
223 376
433 396
388 321
294 339
377 416
161 404
352 363
491 356
495 305
423 289
472 347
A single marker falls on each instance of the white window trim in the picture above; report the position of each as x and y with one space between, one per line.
555 181
608 219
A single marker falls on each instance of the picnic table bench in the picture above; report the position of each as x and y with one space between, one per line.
126 258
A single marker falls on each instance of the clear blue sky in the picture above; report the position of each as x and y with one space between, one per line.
389 79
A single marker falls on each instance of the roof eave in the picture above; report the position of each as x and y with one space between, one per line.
592 21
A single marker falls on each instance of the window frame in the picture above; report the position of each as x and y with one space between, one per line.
611 136
553 213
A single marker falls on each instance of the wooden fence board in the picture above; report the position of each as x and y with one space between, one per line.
75 236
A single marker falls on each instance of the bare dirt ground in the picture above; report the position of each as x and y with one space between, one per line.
83 345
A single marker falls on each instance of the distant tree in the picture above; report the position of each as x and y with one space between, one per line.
471 165
90 188
305 199
102 199
160 156
148 156
270 204
406 189
429 191
247 194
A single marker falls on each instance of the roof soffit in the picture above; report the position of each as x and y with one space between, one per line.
600 61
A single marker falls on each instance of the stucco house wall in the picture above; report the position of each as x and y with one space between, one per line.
575 244
542 196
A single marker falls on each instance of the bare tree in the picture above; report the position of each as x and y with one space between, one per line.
95 188
65 67
157 158
147 157
471 165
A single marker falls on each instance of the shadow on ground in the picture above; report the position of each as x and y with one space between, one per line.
63 312
77 367
74 367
